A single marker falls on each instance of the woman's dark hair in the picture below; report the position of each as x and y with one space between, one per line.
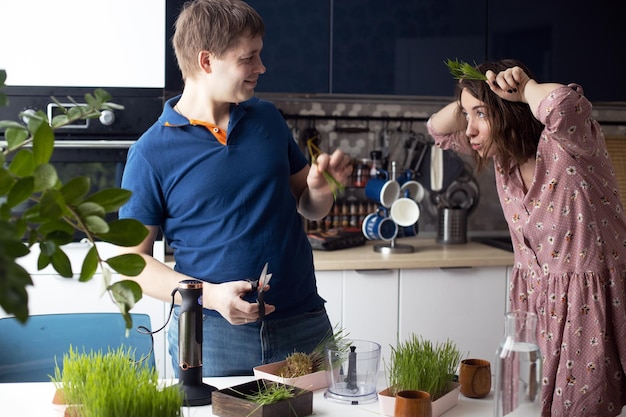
515 131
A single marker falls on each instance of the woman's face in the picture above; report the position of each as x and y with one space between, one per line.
478 128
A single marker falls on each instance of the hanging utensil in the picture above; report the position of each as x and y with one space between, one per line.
310 134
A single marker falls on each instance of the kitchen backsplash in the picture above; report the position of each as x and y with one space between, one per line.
355 123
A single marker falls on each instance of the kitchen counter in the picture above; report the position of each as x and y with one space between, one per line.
35 399
427 254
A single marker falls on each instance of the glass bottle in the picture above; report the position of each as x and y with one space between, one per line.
518 376
376 161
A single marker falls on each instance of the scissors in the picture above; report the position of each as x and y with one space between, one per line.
264 279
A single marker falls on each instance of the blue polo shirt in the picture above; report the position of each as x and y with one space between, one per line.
225 210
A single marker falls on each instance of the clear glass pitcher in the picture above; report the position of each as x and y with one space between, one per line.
518 368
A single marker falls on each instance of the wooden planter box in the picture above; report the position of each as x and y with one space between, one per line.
231 402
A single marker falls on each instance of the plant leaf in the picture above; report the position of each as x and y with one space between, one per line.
61 263
111 199
125 293
6 181
51 226
90 265
96 224
15 134
125 232
13 282
87 209
45 177
21 190
52 205
43 143
23 164
75 189
130 264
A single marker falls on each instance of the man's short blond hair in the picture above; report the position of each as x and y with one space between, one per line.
214 26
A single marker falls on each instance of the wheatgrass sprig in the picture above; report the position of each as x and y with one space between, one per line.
461 70
270 393
314 151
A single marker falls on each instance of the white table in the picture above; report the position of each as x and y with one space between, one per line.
34 399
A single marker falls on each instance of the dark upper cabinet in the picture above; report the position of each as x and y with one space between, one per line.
399 47
564 41
296 46
367 46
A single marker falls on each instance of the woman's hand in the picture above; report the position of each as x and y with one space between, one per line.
513 84
227 299
509 84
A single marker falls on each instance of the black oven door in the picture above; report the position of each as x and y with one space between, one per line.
102 162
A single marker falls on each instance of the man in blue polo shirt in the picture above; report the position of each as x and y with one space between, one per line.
220 174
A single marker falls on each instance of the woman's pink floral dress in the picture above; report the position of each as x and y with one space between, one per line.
569 236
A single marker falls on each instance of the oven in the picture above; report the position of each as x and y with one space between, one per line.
95 148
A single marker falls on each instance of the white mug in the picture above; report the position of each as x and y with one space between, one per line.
404 211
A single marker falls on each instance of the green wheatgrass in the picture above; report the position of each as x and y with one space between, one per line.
314 152
461 70
112 384
418 364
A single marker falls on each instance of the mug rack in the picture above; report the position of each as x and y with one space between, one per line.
392 246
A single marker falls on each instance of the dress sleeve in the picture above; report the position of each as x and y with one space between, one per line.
456 141
566 115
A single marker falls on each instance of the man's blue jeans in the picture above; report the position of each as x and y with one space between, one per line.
236 350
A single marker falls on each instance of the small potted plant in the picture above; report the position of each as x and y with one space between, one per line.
113 384
300 369
418 364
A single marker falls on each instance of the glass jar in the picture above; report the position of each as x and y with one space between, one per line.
518 368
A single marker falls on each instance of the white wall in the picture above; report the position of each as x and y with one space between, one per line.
83 43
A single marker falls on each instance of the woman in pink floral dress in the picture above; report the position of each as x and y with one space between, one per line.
560 198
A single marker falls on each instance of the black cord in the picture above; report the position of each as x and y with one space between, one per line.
144 330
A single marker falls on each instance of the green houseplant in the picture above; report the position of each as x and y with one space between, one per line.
419 364
112 384
58 209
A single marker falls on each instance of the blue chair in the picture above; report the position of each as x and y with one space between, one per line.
28 351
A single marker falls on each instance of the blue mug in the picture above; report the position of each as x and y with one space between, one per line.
382 190
410 187
379 226
408 231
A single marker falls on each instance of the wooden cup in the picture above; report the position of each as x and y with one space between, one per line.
413 403
475 378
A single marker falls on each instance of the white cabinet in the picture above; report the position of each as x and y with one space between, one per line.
370 307
364 303
465 305
330 288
